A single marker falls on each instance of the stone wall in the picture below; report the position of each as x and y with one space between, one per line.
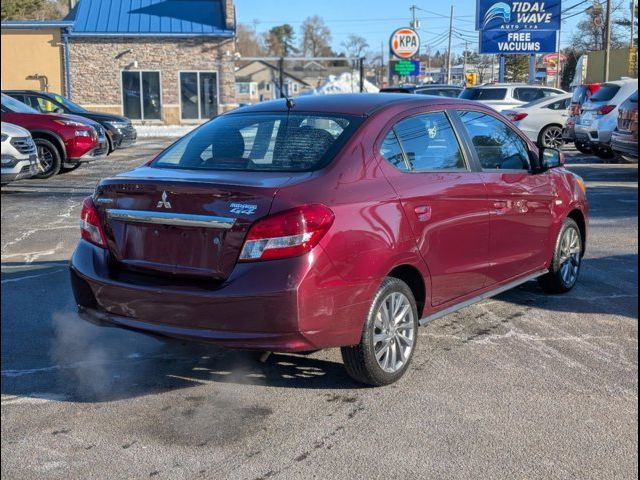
97 65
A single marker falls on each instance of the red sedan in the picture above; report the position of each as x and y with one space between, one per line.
339 221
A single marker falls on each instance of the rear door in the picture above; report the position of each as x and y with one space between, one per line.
520 202
444 200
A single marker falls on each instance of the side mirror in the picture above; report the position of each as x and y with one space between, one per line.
551 158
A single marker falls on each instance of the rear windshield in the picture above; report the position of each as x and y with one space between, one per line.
634 98
275 142
606 93
484 94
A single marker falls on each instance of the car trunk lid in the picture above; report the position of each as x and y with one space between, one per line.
183 223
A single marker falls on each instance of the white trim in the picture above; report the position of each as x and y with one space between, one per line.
160 80
218 104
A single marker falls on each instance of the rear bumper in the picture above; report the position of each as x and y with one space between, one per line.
569 134
275 306
624 144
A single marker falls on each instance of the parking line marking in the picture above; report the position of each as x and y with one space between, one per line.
29 277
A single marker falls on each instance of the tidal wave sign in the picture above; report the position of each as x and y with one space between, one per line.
513 15
506 42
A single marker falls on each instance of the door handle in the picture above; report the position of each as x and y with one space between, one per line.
423 212
500 207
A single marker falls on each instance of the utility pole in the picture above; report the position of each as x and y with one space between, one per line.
607 42
415 23
464 61
449 50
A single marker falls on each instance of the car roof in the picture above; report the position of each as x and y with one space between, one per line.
358 104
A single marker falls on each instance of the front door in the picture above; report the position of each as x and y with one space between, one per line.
198 95
521 202
444 201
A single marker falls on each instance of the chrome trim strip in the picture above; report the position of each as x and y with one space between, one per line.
174 219
479 298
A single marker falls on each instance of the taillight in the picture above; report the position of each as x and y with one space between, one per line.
606 109
287 234
516 117
90 226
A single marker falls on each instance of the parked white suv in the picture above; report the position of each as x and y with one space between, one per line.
502 96
19 154
599 116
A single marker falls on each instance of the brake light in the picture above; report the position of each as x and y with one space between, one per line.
606 109
516 117
287 234
90 226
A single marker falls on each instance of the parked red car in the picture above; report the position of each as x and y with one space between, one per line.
63 141
342 221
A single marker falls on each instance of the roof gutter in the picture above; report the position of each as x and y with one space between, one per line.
19 24
225 34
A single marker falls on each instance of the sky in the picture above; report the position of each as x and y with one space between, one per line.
377 19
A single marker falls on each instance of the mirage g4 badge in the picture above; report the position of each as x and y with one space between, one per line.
243 208
164 202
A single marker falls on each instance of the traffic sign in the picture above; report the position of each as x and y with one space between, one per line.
405 43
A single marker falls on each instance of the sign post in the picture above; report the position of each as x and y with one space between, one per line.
522 27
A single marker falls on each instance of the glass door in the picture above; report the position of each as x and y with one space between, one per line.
198 95
141 97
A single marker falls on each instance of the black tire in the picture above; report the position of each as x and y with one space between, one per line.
551 130
360 360
584 148
70 169
605 153
49 158
556 281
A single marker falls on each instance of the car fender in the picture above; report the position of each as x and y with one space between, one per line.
58 140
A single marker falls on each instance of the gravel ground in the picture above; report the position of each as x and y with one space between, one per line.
522 386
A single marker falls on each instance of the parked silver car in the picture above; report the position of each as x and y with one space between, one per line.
600 116
19 155
542 120
507 96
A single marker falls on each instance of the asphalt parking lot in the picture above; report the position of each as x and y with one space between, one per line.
521 386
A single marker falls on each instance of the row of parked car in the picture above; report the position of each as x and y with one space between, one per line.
44 134
600 119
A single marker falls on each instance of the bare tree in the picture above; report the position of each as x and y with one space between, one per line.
355 45
316 37
248 43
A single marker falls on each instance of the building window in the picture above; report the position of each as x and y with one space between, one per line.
141 95
198 95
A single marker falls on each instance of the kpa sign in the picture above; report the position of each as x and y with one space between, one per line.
518 15
405 43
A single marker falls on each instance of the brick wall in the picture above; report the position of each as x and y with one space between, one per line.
97 63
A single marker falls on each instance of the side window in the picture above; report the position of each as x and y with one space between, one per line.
560 105
392 152
498 146
44 105
529 94
548 92
430 143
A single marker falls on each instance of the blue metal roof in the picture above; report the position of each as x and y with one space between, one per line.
150 18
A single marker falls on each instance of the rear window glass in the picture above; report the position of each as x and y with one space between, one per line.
606 93
261 142
484 94
634 98
579 94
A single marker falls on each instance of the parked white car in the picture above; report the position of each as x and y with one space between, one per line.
507 96
542 121
19 154
600 116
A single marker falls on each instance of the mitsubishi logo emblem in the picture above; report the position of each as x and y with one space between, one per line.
164 203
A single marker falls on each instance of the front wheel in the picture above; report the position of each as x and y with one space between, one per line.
388 339
49 158
584 148
567 260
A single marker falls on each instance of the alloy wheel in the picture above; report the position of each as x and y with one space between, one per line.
552 138
46 158
394 332
570 256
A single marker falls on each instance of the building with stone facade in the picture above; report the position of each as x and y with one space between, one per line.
156 62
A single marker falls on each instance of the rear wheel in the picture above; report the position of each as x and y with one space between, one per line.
49 158
388 338
584 148
551 137
567 260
